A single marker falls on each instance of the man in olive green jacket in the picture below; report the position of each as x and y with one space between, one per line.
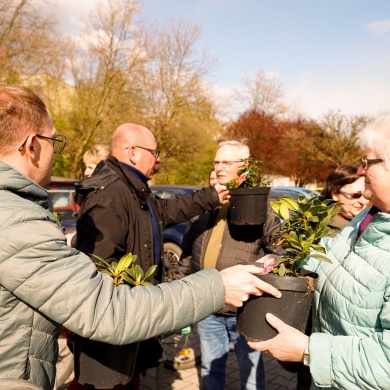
45 284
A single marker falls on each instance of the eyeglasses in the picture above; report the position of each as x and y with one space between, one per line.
155 152
366 163
357 195
59 142
225 164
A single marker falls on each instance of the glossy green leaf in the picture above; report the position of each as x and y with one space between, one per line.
321 258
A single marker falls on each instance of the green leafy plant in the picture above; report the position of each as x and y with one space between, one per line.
305 222
249 172
125 270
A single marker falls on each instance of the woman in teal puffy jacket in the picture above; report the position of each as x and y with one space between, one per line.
350 344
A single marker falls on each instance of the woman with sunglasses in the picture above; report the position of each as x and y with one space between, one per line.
344 185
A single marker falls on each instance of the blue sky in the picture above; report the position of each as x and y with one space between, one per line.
327 54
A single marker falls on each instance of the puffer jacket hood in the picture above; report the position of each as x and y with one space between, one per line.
14 181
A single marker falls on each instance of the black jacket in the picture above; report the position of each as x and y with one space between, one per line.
114 218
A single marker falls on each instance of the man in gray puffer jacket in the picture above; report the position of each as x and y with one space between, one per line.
45 284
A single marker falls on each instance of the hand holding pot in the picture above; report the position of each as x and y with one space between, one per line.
223 192
289 345
240 284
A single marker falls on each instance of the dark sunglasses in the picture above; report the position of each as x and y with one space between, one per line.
357 195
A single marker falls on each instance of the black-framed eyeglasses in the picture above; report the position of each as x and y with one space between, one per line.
225 164
356 195
367 162
59 142
155 152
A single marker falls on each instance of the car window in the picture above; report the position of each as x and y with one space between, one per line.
276 193
164 194
61 197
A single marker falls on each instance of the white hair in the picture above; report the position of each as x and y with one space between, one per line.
243 150
376 136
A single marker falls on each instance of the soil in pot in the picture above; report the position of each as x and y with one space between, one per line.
293 307
249 206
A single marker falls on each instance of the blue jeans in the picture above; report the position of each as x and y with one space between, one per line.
215 332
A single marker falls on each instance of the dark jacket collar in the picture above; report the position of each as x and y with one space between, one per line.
110 170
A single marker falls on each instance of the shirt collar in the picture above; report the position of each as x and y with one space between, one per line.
135 172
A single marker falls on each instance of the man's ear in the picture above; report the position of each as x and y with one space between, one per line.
133 155
31 146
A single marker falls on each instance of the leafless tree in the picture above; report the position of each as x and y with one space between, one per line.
261 92
29 39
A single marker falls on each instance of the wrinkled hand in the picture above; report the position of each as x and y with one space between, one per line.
240 284
223 192
289 345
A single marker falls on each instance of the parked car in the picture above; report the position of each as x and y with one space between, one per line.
62 203
61 197
173 235
294 192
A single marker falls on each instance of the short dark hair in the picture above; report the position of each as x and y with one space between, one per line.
342 175
21 111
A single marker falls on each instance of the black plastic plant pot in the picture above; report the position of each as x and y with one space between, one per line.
292 308
103 365
249 206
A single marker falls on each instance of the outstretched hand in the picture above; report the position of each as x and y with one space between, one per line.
240 284
289 345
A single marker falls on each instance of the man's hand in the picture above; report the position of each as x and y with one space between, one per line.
240 284
223 192
289 345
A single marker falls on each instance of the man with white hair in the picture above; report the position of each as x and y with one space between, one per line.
210 244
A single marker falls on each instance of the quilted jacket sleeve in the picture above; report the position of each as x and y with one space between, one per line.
63 284
350 362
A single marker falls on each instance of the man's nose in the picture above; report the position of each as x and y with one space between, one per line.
361 171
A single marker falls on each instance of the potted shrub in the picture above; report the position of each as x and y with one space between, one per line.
104 365
305 222
249 202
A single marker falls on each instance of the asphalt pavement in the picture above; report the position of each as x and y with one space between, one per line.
178 374
164 378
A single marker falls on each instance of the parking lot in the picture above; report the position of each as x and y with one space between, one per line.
165 377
